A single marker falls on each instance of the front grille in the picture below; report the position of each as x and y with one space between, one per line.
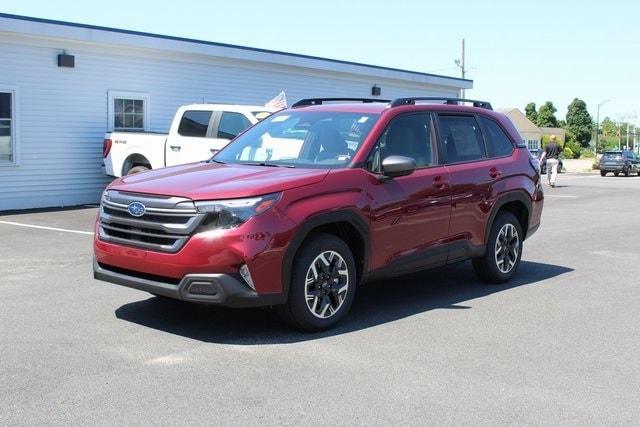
165 226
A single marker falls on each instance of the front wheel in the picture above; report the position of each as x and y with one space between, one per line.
604 173
137 169
616 173
323 284
503 251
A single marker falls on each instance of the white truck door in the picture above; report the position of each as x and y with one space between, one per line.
188 140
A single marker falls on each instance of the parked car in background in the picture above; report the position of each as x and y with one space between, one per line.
196 133
311 202
619 162
537 153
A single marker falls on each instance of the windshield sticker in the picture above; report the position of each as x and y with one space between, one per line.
279 119
363 119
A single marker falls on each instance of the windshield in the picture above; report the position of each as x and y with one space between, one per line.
320 139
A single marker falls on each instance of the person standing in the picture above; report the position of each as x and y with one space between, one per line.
551 153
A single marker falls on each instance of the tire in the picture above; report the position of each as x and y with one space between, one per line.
322 255
138 169
616 173
498 267
604 173
638 172
626 172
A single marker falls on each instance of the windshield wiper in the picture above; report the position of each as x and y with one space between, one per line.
217 161
271 165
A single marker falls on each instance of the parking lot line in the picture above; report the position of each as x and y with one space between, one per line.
46 228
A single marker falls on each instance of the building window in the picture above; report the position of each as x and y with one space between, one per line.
8 140
128 111
533 144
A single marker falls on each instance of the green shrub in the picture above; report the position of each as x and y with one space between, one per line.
568 153
572 150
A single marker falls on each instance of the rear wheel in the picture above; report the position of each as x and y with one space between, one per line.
604 173
323 284
503 252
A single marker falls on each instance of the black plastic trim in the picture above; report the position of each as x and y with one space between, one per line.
223 289
513 196
319 220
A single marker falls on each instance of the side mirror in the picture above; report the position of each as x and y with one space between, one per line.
394 166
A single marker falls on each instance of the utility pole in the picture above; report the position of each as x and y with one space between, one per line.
460 64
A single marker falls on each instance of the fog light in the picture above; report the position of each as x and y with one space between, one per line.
246 275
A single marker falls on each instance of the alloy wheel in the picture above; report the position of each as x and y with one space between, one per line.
326 284
507 248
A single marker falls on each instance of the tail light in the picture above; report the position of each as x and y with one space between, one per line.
535 164
106 147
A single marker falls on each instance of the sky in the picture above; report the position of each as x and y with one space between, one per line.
517 51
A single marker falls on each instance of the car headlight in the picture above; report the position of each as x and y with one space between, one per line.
234 212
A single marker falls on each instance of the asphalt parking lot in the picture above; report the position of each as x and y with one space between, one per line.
560 344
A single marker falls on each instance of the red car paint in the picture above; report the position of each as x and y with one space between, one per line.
446 203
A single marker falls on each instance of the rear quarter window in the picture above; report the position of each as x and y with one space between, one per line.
497 141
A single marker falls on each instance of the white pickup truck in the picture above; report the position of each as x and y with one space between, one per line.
196 133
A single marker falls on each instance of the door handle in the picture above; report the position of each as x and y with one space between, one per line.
439 182
494 173
175 147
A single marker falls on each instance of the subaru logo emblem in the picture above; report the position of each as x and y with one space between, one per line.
136 209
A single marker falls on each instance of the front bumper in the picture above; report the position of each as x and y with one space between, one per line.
216 289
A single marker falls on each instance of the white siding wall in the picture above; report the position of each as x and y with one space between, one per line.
63 112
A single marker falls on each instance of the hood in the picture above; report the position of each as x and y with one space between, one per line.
208 181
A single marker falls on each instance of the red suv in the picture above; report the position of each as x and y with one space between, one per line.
310 203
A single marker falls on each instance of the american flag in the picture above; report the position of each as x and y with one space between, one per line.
280 101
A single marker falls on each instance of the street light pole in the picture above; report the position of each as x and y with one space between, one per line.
595 148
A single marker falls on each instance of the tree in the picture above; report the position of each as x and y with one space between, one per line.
579 122
546 116
530 111
609 127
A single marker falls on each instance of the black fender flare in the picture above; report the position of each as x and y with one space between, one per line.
512 196
325 218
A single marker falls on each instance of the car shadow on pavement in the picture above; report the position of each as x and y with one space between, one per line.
376 303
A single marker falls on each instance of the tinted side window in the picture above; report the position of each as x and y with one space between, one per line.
462 139
194 123
231 124
408 136
498 143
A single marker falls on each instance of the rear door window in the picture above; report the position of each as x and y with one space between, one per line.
461 138
194 123
232 124
497 142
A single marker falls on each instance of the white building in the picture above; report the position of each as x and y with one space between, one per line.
53 116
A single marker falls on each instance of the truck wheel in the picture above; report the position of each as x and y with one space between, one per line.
626 172
323 284
138 169
616 173
503 251
603 173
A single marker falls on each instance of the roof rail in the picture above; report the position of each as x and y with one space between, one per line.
451 101
319 101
